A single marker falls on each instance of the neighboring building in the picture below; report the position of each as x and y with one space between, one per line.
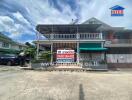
7 45
93 41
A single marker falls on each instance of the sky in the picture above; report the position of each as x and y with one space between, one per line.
18 18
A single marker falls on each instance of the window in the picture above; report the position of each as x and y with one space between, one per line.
5 45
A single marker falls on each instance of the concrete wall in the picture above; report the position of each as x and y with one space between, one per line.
11 46
119 65
16 47
0 44
119 58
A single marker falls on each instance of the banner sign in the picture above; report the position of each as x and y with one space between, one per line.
65 56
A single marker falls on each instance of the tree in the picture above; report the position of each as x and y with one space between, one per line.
30 51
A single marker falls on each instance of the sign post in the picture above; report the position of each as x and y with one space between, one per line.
65 56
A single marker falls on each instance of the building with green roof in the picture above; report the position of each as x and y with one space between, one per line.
9 46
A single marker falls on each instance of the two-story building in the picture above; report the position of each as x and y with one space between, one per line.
93 42
7 45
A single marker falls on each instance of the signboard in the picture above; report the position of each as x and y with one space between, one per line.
65 56
117 11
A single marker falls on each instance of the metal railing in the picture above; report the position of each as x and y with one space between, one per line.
118 41
81 36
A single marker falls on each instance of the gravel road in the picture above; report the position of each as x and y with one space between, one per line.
16 84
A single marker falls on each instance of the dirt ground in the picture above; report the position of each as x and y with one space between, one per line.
16 84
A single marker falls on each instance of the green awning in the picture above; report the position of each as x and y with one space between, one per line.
93 49
90 45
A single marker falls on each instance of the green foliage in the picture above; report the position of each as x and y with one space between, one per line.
30 51
46 56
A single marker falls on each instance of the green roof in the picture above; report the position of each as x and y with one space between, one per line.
6 38
11 51
9 40
93 49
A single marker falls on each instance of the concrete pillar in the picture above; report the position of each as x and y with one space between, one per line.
51 53
77 36
78 52
37 50
101 35
37 38
51 36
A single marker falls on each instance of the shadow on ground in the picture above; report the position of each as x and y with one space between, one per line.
81 92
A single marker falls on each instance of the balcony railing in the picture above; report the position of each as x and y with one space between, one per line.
83 36
119 41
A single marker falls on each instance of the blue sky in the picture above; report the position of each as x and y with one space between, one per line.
18 18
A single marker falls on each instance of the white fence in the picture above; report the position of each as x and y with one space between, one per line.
119 58
73 36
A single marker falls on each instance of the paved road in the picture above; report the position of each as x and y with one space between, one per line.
16 84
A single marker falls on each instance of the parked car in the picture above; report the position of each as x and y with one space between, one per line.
9 59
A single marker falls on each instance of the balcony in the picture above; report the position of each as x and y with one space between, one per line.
118 43
83 36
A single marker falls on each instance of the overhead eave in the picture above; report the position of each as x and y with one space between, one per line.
66 28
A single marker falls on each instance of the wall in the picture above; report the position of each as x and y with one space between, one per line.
0 44
11 46
16 47
91 56
119 65
119 58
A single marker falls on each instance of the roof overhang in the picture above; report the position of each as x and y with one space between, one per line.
9 51
115 29
67 28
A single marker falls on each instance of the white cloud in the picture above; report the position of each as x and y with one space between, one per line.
20 17
100 9
41 12
6 23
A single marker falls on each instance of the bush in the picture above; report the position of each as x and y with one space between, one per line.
45 56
